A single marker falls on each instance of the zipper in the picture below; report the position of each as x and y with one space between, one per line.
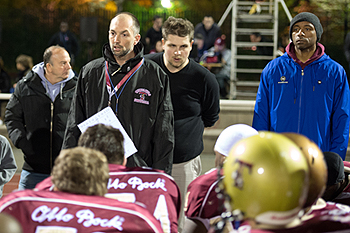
116 71
300 100
51 127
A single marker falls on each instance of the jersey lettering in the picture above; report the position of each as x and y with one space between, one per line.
161 213
115 184
43 213
85 217
136 183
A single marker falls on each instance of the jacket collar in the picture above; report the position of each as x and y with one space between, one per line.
112 63
317 54
32 79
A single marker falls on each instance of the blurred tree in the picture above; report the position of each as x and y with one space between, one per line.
207 5
27 25
336 13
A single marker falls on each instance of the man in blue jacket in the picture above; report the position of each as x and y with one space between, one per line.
305 91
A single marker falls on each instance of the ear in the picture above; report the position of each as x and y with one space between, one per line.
137 39
48 67
191 44
163 43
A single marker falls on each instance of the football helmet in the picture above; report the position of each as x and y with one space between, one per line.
266 178
317 166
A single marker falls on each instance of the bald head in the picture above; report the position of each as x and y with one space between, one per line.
127 16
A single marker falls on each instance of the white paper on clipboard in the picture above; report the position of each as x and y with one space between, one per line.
107 117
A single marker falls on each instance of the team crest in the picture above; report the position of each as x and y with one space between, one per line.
237 175
283 79
143 94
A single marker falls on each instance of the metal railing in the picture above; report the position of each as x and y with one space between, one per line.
5 96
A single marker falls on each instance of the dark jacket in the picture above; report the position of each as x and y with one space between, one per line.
66 40
144 107
5 82
209 36
35 124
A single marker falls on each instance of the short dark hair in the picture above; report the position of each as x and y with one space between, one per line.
106 139
134 19
177 26
257 34
156 17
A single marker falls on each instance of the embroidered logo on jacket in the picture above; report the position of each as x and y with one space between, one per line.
143 93
283 80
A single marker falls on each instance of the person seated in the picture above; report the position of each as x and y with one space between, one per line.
202 203
315 214
156 190
197 47
76 202
338 182
265 180
222 57
158 47
256 37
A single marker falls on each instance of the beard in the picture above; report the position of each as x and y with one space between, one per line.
122 52
176 64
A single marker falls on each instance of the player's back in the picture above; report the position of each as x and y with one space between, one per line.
326 217
51 211
201 198
153 188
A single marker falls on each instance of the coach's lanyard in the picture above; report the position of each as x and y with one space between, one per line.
125 80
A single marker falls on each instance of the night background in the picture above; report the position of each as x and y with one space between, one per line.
27 25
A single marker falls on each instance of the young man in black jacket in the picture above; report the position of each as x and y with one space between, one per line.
142 103
36 114
195 97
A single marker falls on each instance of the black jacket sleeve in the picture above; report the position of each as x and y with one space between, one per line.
76 115
14 120
211 102
164 132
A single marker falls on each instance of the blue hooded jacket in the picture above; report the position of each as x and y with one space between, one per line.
313 101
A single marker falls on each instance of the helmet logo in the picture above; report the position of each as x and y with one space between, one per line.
237 175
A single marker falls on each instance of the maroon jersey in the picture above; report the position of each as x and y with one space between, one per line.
324 217
46 211
201 198
156 190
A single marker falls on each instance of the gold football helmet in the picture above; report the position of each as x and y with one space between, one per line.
317 166
266 178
